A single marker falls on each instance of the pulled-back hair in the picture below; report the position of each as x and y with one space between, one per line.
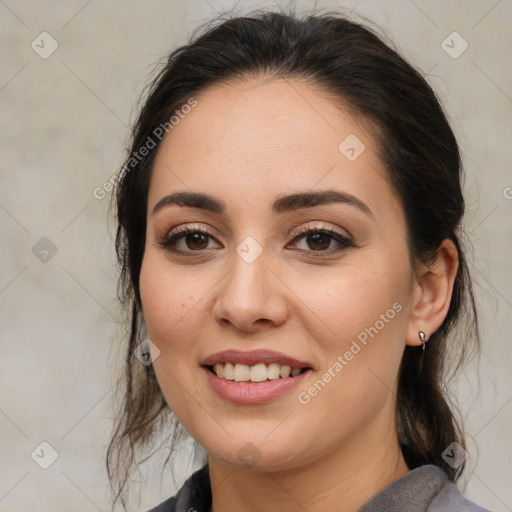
418 149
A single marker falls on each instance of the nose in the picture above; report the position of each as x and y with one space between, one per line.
251 297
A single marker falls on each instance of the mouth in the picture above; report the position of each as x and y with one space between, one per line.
254 384
260 372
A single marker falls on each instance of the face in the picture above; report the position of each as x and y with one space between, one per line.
324 281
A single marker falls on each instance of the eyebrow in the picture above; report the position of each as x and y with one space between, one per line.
282 204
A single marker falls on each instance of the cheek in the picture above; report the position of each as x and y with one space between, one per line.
352 298
361 354
167 302
360 311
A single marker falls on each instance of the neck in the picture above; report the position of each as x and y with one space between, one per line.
342 480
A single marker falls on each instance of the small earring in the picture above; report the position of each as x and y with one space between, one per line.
143 330
422 338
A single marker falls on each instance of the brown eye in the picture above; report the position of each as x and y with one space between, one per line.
194 240
319 240
187 240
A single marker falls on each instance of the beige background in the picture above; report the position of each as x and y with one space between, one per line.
64 121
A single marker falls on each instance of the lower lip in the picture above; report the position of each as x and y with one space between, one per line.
252 392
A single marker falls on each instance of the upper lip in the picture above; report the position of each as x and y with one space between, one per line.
254 357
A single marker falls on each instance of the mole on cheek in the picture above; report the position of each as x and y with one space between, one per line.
190 298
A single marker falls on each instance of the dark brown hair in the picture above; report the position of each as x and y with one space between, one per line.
354 64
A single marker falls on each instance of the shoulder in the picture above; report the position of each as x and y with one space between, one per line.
169 505
194 494
450 499
426 488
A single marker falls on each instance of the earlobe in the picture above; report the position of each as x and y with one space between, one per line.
423 338
432 294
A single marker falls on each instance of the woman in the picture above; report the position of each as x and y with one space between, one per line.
289 219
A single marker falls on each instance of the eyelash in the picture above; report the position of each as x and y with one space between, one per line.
170 240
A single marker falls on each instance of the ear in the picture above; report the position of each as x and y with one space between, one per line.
432 293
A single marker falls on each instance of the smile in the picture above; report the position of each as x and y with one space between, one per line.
257 373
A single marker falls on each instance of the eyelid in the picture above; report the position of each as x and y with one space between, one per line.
320 225
188 228
166 238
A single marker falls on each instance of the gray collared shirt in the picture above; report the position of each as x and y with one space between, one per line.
423 489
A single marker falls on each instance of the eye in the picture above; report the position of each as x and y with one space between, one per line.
190 237
319 239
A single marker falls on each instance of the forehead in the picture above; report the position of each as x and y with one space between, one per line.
259 137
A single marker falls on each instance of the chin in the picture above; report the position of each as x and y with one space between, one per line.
256 453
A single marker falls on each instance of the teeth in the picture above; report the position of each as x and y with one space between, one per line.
228 372
257 373
242 372
273 371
